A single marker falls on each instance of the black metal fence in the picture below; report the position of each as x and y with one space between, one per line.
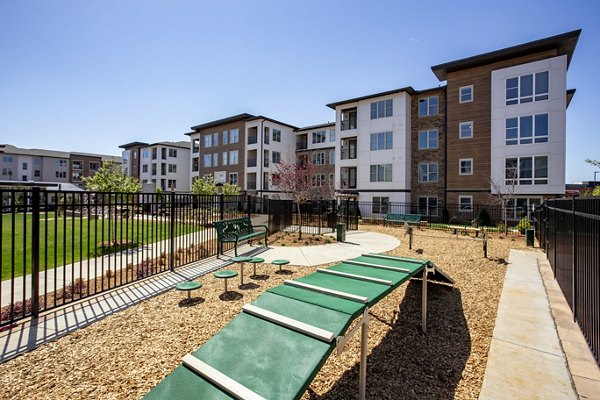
569 232
59 247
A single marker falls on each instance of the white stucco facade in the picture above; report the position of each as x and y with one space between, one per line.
555 107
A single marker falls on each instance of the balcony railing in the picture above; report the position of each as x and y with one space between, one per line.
302 145
252 162
348 124
252 139
251 185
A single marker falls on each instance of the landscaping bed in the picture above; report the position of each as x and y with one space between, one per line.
126 354
291 239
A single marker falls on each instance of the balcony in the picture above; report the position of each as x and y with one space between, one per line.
302 142
348 119
349 148
252 162
348 180
251 185
253 135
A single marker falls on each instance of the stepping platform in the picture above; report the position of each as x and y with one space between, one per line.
274 348
225 274
188 286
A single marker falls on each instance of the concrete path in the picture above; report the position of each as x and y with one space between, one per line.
50 326
526 358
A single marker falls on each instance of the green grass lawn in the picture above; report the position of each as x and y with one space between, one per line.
66 240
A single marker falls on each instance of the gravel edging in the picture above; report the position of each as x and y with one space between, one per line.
123 356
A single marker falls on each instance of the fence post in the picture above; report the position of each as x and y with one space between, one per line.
347 212
221 207
35 253
574 260
172 230
248 205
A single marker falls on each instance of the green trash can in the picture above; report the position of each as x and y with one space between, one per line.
529 237
341 232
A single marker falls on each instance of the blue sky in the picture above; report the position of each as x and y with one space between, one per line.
91 75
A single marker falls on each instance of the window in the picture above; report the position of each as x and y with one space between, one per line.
37 161
234 136
527 129
465 203
24 166
276 135
8 171
266 135
60 163
318 180
215 159
153 169
381 109
428 106
381 205
163 153
163 169
94 166
428 172
77 176
215 139
207 141
524 206
224 158
319 158
77 164
332 135
233 178
265 158
173 168
60 174
233 157
9 159
195 164
348 119
37 173
195 145
465 166
154 153
276 157
225 137
527 88
319 137
466 130
332 157
207 160
428 205
145 168
381 173
172 152
526 170
381 141
465 94
428 139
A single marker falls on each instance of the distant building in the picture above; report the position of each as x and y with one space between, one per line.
49 166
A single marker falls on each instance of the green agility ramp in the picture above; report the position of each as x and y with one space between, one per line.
274 348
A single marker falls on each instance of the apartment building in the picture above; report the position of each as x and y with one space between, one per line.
316 144
506 122
132 160
373 147
166 165
40 165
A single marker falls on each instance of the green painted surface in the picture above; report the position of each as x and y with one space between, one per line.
372 291
280 262
241 259
395 277
257 260
272 361
414 267
333 303
225 274
324 318
188 285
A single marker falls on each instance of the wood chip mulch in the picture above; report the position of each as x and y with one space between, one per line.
126 354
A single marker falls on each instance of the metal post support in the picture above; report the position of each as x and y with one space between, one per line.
221 207
362 380
424 302
347 212
35 252
172 230
574 260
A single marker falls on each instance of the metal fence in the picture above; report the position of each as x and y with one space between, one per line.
569 232
60 247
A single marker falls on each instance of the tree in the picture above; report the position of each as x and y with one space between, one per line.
110 178
505 194
298 180
207 186
595 163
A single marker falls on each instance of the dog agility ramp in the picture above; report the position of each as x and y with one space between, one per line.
274 348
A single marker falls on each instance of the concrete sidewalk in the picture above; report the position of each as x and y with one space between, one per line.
526 358
30 334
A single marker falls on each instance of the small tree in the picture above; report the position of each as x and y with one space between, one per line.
505 194
297 180
595 163
207 186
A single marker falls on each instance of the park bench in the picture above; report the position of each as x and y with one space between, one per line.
464 229
238 230
402 218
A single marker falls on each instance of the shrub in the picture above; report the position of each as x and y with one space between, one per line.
523 224
483 218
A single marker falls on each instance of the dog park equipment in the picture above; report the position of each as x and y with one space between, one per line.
274 348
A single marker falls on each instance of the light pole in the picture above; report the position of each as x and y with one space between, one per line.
595 172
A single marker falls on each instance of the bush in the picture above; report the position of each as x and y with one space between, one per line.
483 218
523 224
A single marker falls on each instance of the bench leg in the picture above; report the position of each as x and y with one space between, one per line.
235 250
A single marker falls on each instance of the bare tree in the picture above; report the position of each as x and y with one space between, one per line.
298 180
504 193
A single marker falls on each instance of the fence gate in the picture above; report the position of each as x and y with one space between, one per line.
348 213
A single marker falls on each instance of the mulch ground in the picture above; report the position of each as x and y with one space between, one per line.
126 354
291 239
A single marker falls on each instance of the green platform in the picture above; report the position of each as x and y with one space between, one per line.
278 362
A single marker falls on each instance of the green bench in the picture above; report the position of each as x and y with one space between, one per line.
402 218
238 230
